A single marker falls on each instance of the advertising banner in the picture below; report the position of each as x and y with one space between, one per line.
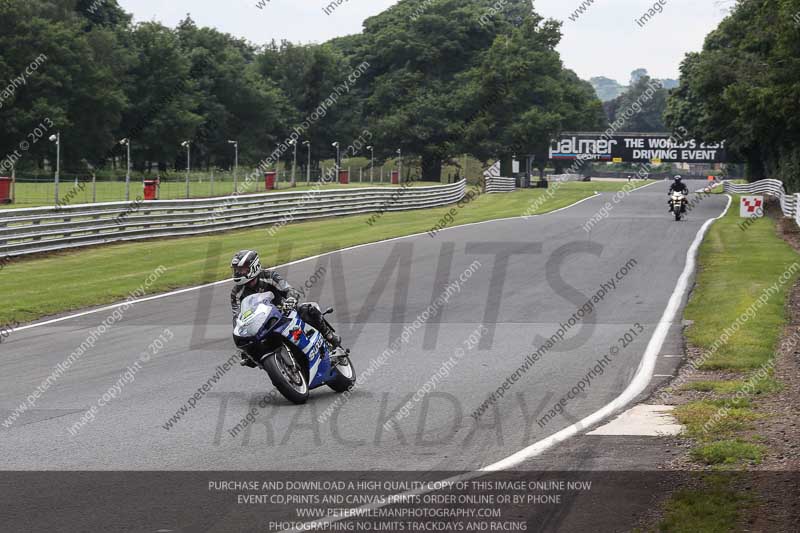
636 148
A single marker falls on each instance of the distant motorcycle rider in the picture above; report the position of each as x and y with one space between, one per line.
251 279
678 186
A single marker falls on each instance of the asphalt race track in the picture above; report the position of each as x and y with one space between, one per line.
151 414
531 276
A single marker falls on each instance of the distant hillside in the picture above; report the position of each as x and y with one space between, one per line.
608 89
670 83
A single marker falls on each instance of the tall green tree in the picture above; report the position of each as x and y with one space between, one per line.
417 52
233 99
163 97
448 77
75 83
648 99
310 75
744 88
525 96
106 13
435 78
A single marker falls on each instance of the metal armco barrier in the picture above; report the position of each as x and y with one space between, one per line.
48 229
789 202
500 184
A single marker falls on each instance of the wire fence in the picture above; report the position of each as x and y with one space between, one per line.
38 189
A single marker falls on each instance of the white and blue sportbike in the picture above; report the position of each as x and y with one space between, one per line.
296 356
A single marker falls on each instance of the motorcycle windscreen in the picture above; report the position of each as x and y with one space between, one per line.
250 317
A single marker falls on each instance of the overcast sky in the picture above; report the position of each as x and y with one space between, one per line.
603 41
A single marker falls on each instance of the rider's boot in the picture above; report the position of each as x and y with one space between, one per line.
325 328
335 341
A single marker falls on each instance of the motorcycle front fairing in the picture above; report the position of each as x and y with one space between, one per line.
257 318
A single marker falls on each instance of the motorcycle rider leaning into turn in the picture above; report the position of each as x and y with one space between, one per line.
250 278
677 186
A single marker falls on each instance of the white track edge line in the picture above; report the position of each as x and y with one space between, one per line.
655 182
198 287
637 385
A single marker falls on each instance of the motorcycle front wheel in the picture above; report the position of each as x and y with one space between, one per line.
287 375
345 377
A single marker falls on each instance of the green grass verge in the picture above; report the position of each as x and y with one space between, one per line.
736 267
714 509
733 452
760 386
33 288
708 420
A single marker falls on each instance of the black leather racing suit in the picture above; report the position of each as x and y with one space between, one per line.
269 280
680 187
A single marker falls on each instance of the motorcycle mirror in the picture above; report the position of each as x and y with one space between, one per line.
328 311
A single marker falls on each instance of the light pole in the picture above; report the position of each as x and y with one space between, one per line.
293 142
57 139
336 145
127 143
188 146
372 162
235 166
308 167
400 165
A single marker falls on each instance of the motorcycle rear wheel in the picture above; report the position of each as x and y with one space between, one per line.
287 375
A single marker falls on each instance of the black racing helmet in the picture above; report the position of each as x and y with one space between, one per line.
246 266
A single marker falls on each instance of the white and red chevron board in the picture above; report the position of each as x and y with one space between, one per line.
751 207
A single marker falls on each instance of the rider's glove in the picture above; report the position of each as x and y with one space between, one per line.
290 302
